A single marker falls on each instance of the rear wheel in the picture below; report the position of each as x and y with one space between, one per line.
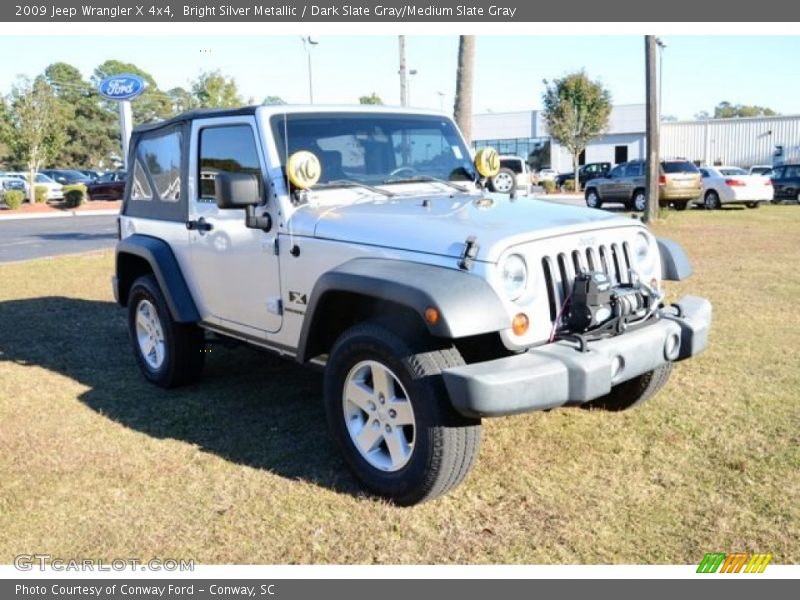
682 205
639 200
633 392
753 204
169 353
593 199
389 414
711 200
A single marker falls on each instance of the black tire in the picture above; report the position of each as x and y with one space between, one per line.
504 182
183 343
593 198
634 391
753 204
445 443
638 200
711 200
681 205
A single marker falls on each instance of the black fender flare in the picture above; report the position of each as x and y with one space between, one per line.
467 304
158 254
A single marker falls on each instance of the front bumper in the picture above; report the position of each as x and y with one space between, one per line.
559 374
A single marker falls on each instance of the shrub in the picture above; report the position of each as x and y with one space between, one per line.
13 199
569 185
549 186
74 195
40 193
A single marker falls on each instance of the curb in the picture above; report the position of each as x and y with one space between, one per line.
60 214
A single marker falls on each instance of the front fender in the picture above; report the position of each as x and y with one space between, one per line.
467 304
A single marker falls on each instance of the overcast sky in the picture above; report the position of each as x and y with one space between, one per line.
699 71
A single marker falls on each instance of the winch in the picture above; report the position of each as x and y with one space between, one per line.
597 305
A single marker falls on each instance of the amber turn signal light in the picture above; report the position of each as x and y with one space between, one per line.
432 315
519 325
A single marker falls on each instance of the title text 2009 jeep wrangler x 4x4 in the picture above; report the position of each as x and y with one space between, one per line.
363 239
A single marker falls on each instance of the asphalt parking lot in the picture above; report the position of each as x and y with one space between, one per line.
25 239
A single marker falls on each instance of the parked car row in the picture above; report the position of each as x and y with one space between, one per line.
105 186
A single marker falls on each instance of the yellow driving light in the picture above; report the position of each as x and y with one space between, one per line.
520 323
487 162
303 169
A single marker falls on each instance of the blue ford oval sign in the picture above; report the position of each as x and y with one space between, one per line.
121 87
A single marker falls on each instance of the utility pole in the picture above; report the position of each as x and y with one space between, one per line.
403 72
308 43
652 171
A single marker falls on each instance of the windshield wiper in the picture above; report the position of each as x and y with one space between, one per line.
426 178
351 184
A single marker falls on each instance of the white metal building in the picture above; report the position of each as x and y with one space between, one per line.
741 142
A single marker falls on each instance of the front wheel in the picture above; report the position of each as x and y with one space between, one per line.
593 199
753 204
634 391
169 353
389 414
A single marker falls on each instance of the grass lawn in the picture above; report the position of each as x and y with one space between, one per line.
94 462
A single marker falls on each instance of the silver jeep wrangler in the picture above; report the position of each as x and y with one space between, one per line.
363 239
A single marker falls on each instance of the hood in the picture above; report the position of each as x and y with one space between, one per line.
441 224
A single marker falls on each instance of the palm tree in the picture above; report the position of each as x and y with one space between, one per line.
462 110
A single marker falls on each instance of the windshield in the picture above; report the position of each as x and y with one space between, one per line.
679 166
376 148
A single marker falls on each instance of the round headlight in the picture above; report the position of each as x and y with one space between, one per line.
514 273
643 252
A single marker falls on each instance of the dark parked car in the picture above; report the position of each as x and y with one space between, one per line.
585 173
66 176
90 173
109 186
786 183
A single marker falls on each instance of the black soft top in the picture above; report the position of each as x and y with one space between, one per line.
199 113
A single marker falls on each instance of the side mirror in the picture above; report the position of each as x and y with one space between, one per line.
236 190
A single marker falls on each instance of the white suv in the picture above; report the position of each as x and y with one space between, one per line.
363 239
513 176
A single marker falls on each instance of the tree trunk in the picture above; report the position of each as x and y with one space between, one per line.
576 159
462 110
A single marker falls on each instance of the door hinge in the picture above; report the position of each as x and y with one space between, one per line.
276 246
275 305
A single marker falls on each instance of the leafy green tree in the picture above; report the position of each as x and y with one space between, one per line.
92 136
726 110
38 124
373 98
213 90
181 100
576 110
152 104
6 131
273 100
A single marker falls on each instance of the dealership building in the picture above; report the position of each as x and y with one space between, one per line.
741 142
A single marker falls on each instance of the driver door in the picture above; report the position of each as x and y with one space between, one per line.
234 269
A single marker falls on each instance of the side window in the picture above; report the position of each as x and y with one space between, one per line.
705 173
160 157
617 171
777 173
633 170
156 189
792 172
230 149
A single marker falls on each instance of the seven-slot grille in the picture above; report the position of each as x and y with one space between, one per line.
559 270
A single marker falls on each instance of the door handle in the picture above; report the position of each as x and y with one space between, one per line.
200 225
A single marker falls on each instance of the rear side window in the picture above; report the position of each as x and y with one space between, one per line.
514 165
230 148
678 166
792 172
633 169
157 188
